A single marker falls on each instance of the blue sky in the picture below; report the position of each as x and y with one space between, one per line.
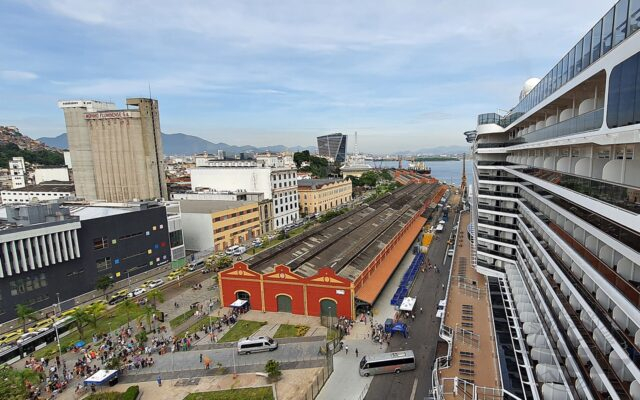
404 74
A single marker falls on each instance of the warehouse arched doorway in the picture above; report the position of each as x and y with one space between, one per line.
328 312
284 303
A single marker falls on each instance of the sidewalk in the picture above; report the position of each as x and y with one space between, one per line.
345 382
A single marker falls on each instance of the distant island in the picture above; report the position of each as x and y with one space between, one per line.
437 158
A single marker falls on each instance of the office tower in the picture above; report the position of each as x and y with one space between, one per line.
333 146
116 154
556 227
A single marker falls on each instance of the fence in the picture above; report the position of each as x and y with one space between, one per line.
324 374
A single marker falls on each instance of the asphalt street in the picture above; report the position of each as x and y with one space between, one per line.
423 332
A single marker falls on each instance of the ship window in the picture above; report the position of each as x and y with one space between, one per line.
634 16
586 50
578 57
607 32
623 106
596 37
620 31
572 61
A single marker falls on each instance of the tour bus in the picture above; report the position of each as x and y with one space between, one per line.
253 345
387 362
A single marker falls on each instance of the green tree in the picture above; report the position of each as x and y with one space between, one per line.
224 262
81 318
155 296
128 307
94 312
273 370
147 315
13 382
369 178
103 283
25 314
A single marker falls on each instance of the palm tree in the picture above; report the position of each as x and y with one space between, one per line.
147 314
128 307
104 283
25 314
94 312
154 296
81 318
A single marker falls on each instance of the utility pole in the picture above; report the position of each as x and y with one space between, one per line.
55 325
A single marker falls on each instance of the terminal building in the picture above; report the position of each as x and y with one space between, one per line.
53 248
555 226
318 195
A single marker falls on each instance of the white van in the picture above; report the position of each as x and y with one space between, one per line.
257 344
240 250
231 250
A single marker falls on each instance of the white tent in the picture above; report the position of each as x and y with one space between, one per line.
407 304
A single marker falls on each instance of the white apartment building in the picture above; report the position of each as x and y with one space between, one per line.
17 170
278 184
51 190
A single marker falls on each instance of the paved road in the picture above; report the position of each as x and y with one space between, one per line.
423 332
190 360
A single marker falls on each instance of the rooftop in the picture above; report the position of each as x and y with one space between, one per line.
317 183
48 186
87 211
211 206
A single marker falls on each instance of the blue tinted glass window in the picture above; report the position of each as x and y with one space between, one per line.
614 97
607 31
626 106
596 38
578 57
586 50
620 18
565 69
572 62
636 113
634 16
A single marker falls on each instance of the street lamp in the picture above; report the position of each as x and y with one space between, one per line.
128 281
330 319
55 325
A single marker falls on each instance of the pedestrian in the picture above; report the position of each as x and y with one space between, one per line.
356 352
413 317
443 286
346 349
159 379
420 310
200 358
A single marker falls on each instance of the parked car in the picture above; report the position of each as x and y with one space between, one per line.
231 250
239 251
253 345
155 283
450 253
257 242
136 292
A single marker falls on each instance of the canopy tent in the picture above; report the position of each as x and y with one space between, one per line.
101 377
439 313
239 303
408 303
388 325
400 327
439 228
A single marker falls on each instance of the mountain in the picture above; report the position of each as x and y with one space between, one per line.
183 144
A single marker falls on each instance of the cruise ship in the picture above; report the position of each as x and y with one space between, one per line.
554 233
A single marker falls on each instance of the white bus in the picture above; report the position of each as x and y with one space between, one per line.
387 362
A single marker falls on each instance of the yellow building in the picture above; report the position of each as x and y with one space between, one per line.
318 195
219 224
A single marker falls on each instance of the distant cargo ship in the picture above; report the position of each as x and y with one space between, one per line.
420 167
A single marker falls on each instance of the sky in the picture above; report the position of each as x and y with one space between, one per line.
403 74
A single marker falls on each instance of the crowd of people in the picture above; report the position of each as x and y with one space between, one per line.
344 325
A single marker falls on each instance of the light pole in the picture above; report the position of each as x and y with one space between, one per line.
55 325
128 281
330 319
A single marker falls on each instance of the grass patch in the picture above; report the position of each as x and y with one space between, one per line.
259 393
130 394
110 320
286 330
179 320
242 328
197 326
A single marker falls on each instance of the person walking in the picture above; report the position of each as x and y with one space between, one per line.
346 349
356 352
420 310
159 379
200 358
443 286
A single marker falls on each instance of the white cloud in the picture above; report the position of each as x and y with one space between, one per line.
13 75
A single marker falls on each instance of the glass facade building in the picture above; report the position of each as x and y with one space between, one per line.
333 146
